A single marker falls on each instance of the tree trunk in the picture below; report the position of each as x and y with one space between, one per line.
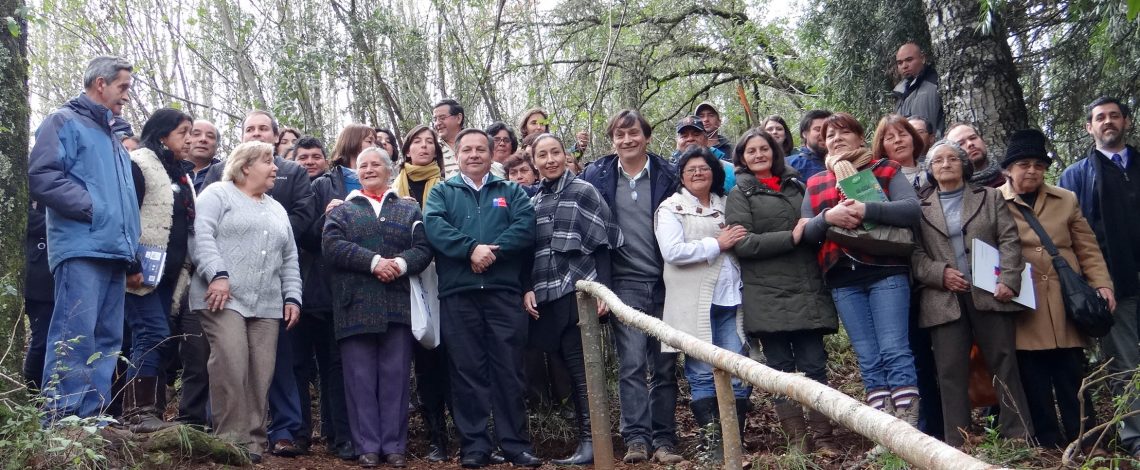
976 74
14 112
247 74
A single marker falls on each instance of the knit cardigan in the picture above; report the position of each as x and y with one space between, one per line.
252 241
353 235
689 288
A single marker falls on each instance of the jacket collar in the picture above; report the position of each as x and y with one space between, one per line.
86 106
1047 190
973 197
746 181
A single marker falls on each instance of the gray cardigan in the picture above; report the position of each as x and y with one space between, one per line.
252 242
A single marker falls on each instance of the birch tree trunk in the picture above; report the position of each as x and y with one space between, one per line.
976 72
247 74
14 110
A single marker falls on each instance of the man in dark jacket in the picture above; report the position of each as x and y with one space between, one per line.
82 173
808 160
917 92
203 151
1107 185
711 121
482 229
294 191
987 171
634 182
39 295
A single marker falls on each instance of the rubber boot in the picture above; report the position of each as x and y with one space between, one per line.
822 438
141 414
584 455
437 435
791 416
706 412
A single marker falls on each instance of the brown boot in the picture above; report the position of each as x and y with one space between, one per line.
139 399
791 416
822 437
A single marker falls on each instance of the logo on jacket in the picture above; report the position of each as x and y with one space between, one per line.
500 202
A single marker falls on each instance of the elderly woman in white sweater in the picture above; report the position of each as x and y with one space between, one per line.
702 277
247 280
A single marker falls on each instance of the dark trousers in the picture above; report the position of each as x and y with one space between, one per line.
930 413
796 351
648 405
434 390
284 402
1052 379
311 339
377 368
557 329
1121 346
994 333
39 317
485 332
194 352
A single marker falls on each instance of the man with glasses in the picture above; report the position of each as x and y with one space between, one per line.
448 117
634 182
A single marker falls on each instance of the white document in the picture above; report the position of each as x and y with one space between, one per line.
986 268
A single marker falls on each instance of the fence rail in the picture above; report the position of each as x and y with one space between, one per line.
910 444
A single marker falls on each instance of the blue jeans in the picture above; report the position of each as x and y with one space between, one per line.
84 336
876 318
147 319
284 399
647 406
724 334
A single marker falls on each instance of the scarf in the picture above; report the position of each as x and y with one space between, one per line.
429 172
846 164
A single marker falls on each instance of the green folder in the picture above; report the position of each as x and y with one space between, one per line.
863 187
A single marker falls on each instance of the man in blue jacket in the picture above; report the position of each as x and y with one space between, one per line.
634 182
82 174
1107 185
482 229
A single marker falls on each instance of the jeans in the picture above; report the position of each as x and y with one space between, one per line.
89 296
147 319
1122 345
876 317
724 334
647 405
284 400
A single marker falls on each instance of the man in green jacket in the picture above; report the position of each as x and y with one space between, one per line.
482 228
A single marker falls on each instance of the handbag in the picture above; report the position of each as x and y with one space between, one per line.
424 289
1083 305
880 240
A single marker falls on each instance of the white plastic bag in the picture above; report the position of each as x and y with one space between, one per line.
425 307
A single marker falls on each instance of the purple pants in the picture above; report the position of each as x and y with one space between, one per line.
377 370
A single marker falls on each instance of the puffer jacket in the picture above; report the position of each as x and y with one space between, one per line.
783 287
82 173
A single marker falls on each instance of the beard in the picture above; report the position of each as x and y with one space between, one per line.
818 149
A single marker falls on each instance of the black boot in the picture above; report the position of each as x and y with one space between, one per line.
706 412
437 434
584 455
139 400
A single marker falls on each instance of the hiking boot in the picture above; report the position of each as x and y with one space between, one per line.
636 453
791 417
139 398
666 455
822 437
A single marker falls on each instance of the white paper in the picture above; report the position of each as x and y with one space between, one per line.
986 267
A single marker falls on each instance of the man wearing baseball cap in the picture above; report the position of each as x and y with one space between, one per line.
710 118
691 131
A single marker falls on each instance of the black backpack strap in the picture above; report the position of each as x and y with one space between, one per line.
1031 219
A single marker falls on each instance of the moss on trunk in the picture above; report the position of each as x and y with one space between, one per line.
14 111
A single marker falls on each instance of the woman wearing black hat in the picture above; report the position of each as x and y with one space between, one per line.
1050 350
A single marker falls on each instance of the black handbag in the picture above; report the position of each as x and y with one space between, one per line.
1083 305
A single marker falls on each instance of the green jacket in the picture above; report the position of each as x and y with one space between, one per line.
783 288
458 218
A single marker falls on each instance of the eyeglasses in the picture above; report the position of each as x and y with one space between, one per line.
944 160
441 117
502 140
697 169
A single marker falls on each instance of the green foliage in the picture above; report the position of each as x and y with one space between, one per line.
995 449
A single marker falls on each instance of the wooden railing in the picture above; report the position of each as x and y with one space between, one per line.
910 444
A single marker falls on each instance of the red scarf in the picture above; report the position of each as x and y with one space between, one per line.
373 196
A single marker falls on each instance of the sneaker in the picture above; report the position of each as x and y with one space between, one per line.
638 452
666 455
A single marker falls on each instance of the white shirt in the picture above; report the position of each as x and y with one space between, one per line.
471 183
377 206
1124 156
671 238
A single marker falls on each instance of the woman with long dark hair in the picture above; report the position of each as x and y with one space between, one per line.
776 127
166 210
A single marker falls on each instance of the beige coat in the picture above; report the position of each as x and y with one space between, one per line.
984 217
1057 210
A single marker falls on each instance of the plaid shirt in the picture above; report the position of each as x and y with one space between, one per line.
572 223
825 194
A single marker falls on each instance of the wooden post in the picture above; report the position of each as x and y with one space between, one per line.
595 381
729 429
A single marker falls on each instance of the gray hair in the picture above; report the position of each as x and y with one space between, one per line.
967 165
243 156
106 67
384 158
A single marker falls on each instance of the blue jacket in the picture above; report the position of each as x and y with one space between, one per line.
82 173
806 162
1082 179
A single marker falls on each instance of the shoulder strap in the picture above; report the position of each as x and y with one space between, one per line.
1036 225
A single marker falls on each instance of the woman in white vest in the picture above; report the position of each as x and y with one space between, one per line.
702 277
166 210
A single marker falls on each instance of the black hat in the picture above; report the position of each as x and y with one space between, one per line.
690 122
1026 143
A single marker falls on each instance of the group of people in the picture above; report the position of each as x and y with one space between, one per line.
283 264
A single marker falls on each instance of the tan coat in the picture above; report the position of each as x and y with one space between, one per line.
1057 210
984 217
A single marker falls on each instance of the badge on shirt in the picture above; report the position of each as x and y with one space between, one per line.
500 202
